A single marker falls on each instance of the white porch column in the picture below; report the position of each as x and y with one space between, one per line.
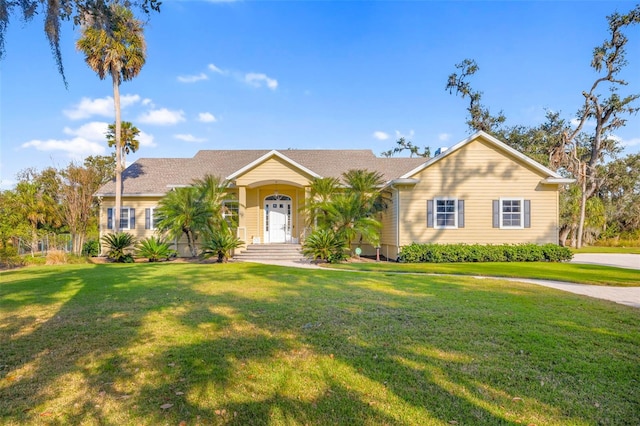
242 217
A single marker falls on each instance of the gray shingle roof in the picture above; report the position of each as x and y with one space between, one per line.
151 176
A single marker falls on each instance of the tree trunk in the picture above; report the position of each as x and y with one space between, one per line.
564 233
116 102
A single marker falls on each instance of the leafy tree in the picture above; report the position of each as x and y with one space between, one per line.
81 12
570 149
182 211
621 193
39 209
114 46
405 145
103 165
128 139
77 202
480 118
582 155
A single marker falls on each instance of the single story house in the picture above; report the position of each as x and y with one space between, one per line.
478 191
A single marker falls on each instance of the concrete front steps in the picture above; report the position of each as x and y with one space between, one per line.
271 253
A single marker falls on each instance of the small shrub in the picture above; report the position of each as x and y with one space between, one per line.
448 253
56 257
91 248
220 243
154 249
119 247
9 258
325 245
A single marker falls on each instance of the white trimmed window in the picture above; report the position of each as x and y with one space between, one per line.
231 212
127 218
445 213
511 213
150 219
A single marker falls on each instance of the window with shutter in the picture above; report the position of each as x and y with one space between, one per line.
511 213
445 213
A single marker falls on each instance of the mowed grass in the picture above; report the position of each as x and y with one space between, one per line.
568 272
246 344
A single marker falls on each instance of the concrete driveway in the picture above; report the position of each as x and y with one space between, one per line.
631 261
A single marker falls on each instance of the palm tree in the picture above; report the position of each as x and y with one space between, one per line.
322 190
350 218
115 46
366 185
213 192
128 139
182 211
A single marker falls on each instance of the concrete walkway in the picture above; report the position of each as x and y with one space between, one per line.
629 296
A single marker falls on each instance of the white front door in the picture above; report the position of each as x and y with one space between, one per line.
277 219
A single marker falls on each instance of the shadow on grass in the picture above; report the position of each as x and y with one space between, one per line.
254 344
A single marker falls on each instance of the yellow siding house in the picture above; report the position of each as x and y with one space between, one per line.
478 191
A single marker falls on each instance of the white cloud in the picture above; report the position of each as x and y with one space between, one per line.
188 138
402 135
444 137
381 136
216 69
162 117
93 131
88 139
88 107
258 79
627 142
146 139
207 117
192 78
8 183
76 148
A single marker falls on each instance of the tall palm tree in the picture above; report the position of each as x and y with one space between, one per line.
115 46
182 211
128 139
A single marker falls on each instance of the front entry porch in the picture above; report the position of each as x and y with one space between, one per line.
270 213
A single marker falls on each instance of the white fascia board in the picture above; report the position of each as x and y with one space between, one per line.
557 181
401 181
112 194
494 141
265 157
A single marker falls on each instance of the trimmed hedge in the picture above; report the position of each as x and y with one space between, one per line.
447 253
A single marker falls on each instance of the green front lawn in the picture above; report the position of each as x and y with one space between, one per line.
569 272
247 344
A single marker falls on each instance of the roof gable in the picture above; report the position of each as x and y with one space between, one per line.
520 157
267 156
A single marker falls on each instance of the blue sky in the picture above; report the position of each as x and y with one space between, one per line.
321 74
